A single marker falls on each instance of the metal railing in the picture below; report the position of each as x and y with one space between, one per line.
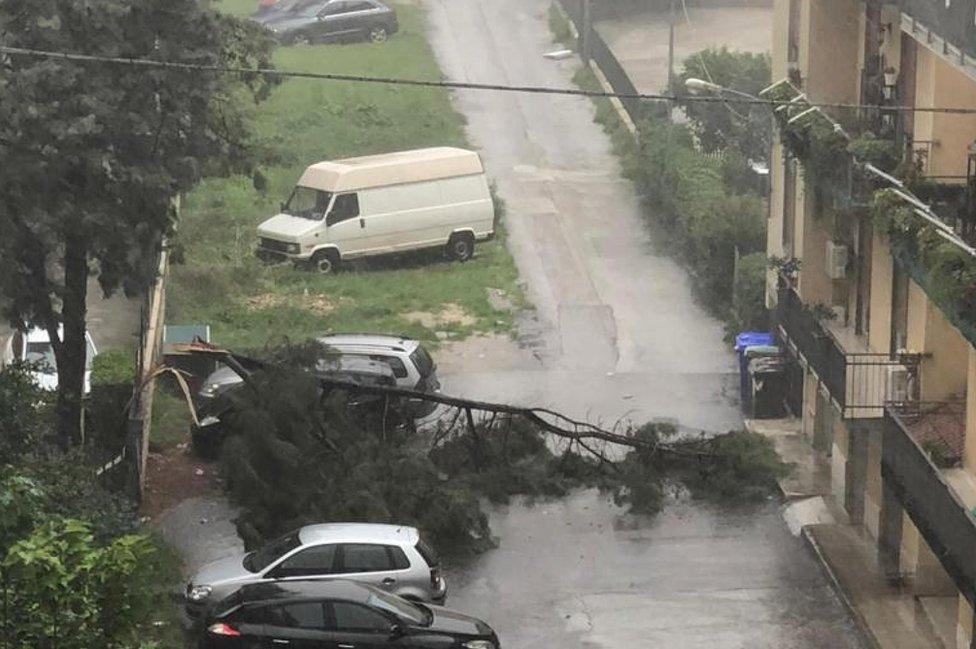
860 383
934 507
955 22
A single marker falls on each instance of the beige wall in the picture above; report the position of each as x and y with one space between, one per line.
774 227
882 269
873 493
945 372
832 40
812 236
781 20
939 84
969 455
964 624
838 460
908 557
917 317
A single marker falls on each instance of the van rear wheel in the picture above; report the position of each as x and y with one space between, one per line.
325 262
461 247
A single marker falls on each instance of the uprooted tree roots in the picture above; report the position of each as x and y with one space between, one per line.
303 449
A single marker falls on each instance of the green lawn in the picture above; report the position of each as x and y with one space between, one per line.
305 121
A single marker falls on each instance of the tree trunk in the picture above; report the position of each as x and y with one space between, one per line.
72 359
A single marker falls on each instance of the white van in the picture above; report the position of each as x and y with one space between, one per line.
360 207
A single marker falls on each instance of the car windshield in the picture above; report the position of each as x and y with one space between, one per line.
406 611
258 561
308 203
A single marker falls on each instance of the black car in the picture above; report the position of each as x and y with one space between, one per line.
332 20
332 614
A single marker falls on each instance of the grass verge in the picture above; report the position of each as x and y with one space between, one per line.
304 121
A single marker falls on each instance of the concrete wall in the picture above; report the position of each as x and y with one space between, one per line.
828 56
873 493
945 372
939 84
964 624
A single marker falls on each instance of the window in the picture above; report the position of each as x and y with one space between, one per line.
317 560
248 615
334 8
423 361
399 369
42 354
400 560
258 561
308 203
356 617
301 615
427 553
366 558
346 207
399 607
359 6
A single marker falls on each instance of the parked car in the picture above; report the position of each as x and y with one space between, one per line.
412 364
215 398
338 613
35 347
375 205
391 557
332 20
272 10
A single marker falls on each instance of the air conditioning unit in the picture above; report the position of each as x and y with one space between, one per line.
897 384
836 263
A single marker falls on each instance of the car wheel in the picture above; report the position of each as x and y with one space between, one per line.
460 247
325 262
378 35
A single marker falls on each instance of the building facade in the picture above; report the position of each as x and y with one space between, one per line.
874 290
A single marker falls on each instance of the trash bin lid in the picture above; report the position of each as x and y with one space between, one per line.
751 338
757 351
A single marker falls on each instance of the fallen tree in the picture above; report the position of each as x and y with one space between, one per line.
296 453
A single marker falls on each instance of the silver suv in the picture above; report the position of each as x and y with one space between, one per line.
412 365
391 557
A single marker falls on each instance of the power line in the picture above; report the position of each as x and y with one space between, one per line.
454 85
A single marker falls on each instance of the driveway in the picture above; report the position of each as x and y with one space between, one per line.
617 334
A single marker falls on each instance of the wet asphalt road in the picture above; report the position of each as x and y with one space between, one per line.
617 335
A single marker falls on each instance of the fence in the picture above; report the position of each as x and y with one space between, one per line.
605 60
948 527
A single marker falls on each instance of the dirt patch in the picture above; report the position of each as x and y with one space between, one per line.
500 300
450 314
317 303
174 476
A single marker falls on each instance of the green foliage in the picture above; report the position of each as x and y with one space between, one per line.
880 152
24 409
749 311
720 126
113 367
63 589
121 141
739 465
106 409
303 122
707 222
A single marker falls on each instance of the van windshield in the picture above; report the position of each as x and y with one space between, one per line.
308 203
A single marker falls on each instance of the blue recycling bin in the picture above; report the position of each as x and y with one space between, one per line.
744 341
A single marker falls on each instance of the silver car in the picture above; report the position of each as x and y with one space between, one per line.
391 557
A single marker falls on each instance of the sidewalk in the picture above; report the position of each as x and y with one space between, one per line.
640 41
889 617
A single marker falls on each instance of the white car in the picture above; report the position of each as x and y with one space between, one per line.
35 347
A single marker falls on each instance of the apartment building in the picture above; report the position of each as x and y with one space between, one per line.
875 296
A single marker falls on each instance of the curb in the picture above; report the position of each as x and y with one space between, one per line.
845 597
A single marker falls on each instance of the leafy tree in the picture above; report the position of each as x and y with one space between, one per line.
718 125
93 153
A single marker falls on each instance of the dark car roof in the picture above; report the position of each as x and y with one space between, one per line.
313 589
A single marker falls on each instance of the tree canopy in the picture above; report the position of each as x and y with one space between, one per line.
94 153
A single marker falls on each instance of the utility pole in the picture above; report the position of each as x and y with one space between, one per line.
671 58
586 37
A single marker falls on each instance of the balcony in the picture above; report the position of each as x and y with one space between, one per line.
952 23
920 444
860 383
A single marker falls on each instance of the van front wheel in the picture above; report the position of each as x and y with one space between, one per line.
461 247
325 262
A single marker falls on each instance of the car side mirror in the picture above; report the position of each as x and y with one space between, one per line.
396 631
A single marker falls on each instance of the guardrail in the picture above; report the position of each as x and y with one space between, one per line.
938 513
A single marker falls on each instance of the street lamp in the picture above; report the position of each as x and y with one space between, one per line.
700 86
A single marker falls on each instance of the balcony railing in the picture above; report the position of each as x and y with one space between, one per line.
860 383
954 22
935 508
